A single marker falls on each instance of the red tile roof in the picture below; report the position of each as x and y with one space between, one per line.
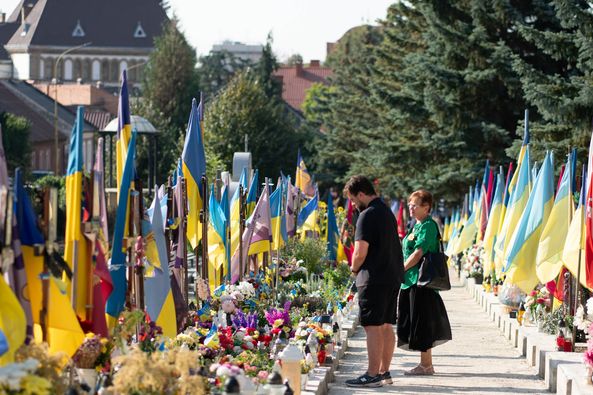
297 79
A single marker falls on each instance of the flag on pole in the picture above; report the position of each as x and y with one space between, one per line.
99 190
574 249
124 129
75 250
157 286
493 225
262 233
277 219
216 240
235 212
589 220
13 324
291 196
117 266
519 260
252 194
224 205
257 233
553 238
308 216
303 179
193 168
63 329
517 202
101 291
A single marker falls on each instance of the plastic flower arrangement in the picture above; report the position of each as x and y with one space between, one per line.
279 319
88 353
588 355
472 261
538 302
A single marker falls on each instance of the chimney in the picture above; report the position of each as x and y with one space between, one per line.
2 17
299 69
314 63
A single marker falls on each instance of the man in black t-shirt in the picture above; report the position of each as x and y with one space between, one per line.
377 262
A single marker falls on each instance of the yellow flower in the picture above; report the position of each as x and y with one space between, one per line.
279 322
35 385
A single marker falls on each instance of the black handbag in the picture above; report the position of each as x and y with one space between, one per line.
434 271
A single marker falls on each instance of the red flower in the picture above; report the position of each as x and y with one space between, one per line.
540 300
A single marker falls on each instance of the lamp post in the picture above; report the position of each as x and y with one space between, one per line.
55 82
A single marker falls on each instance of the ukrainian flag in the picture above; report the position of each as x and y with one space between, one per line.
252 194
235 212
117 266
277 219
493 225
446 229
124 129
333 234
157 283
307 219
63 329
519 260
75 250
193 168
517 202
217 255
551 244
303 179
574 247
224 205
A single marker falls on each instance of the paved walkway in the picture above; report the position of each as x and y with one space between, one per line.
479 360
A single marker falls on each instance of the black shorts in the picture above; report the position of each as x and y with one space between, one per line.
378 304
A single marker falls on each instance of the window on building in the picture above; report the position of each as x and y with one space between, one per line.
139 32
68 69
96 74
41 69
78 31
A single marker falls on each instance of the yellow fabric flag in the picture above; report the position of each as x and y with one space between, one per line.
12 322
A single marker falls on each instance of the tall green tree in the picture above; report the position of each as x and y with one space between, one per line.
243 108
171 81
15 139
216 69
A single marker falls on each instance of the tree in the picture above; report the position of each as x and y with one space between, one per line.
295 59
15 139
170 83
264 69
243 107
216 70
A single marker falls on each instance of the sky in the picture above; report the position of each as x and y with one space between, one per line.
297 26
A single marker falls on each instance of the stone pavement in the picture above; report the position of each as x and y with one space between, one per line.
479 360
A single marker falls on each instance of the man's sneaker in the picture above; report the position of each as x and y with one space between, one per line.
366 381
386 378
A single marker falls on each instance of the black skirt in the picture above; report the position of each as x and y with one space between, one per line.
422 321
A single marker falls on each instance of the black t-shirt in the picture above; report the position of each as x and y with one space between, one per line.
384 261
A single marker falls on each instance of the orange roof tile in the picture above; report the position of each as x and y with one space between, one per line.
297 79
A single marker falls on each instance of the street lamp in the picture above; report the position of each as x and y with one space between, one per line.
55 82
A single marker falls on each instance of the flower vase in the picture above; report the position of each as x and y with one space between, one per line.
540 326
88 377
304 379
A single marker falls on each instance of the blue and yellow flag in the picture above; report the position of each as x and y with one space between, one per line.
235 213
303 179
252 194
157 285
217 254
551 243
75 250
63 329
277 219
493 225
194 167
124 129
333 234
117 265
574 248
519 260
224 205
307 219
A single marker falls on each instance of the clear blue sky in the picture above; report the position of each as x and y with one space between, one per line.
298 26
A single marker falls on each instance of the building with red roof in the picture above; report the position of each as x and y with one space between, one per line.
297 79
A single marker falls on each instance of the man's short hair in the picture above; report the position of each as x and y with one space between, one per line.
359 184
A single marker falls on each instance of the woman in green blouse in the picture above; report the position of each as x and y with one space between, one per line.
422 321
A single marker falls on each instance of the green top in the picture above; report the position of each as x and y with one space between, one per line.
423 235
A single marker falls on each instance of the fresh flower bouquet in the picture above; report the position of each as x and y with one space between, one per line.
88 353
473 262
21 378
538 302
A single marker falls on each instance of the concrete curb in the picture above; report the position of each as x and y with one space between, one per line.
563 372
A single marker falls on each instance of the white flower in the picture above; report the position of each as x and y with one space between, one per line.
223 371
590 307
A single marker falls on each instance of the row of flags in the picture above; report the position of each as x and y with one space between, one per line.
87 290
527 224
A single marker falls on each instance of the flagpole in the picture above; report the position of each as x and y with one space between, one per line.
139 267
182 212
581 247
241 228
204 219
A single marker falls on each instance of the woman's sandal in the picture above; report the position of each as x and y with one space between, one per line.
420 371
